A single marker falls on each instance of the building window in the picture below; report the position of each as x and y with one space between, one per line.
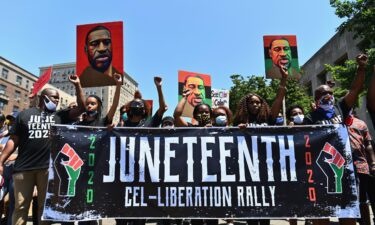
19 80
17 95
27 84
4 73
2 105
322 78
309 89
16 108
3 89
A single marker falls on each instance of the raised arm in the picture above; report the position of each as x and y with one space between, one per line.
357 86
371 94
277 104
162 106
118 79
178 120
75 112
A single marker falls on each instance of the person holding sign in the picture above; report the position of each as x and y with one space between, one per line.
94 104
202 114
253 110
31 135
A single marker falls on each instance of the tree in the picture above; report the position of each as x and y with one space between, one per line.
344 74
267 89
360 17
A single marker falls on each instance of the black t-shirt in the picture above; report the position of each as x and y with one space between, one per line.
317 117
32 128
253 123
154 121
94 123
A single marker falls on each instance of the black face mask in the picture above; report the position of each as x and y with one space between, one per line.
137 111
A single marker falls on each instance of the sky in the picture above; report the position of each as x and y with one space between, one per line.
216 37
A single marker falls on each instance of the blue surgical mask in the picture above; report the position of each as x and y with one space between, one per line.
221 120
279 121
50 105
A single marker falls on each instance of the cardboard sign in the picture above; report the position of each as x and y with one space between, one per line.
99 53
200 90
281 50
220 97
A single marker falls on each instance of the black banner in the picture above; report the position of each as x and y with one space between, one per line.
261 172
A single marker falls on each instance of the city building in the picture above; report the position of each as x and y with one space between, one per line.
59 79
15 86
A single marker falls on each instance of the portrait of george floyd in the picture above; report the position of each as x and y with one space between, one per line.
200 90
281 51
99 53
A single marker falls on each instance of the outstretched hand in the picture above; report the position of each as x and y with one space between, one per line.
158 81
118 79
362 60
74 79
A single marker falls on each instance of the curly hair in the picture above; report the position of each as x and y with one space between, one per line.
244 116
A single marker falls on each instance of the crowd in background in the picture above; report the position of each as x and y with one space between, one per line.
24 160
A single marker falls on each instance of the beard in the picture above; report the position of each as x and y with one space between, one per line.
104 65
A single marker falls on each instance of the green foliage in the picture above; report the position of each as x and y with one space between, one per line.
268 90
344 75
360 17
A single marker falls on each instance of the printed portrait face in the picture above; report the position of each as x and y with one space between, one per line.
280 53
196 86
199 86
99 48
99 53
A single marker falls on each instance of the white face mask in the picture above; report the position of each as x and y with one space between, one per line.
221 120
298 119
326 102
49 104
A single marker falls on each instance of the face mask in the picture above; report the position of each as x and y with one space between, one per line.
221 120
124 116
91 113
298 119
203 119
49 104
326 102
279 121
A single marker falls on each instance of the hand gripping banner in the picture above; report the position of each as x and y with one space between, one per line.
260 172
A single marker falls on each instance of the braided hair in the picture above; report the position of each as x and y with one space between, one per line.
244 116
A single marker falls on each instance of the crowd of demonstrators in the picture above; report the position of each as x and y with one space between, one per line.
30 165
